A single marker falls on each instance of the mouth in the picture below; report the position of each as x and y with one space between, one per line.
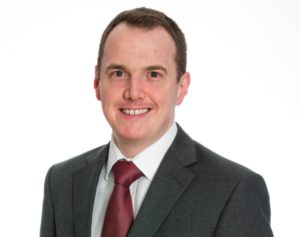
135 111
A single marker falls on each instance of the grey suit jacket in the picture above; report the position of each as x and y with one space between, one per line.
195 192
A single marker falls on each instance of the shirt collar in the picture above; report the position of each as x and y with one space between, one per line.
149 159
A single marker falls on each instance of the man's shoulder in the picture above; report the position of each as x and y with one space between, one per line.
207 161
78 162
219 168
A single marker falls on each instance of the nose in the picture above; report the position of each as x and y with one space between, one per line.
134 90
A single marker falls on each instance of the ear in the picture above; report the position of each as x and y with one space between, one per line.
183 86
97 83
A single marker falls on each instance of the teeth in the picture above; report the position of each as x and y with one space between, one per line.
135 111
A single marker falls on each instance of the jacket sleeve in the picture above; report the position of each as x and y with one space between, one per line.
47 228
247 211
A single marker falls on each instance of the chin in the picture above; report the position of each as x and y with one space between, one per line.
127 132
133 136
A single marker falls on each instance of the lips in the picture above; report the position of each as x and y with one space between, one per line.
135 111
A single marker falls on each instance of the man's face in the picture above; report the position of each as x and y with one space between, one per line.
137 83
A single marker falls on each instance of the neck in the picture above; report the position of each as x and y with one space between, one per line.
131 148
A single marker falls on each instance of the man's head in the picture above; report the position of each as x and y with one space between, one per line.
146 18
137 80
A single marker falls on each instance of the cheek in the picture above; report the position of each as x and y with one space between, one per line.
110 96
164 98
109 93
156 94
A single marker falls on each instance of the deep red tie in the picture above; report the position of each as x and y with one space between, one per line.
119 214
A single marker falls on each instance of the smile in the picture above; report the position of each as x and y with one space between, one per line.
135 111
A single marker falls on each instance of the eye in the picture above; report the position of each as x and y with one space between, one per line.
118 74
154 75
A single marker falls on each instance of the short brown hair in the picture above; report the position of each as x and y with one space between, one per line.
149 18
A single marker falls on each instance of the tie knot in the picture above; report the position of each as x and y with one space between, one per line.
126 173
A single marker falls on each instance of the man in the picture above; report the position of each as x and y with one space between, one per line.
179 187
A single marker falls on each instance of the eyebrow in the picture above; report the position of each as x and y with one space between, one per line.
156 67
115 66
148 68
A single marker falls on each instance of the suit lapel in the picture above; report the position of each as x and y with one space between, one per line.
85 183
169 183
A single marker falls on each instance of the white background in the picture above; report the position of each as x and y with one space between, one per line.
243 103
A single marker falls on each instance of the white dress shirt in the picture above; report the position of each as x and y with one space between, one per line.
147 161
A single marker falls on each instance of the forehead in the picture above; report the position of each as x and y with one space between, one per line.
125 40
125 29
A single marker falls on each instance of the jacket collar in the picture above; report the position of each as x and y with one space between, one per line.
169 183
84 188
